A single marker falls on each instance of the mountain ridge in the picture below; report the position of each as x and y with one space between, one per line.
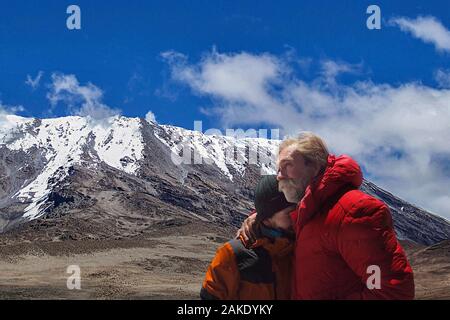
51 169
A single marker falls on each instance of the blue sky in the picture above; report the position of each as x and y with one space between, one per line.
155 55
119 46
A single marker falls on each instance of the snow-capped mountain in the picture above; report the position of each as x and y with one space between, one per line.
62 142
75 177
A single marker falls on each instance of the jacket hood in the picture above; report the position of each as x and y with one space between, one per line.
341 173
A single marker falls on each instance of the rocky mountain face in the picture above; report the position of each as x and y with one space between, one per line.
74 178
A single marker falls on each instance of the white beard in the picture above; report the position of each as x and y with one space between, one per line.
293 190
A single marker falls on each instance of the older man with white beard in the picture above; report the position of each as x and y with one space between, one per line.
346 247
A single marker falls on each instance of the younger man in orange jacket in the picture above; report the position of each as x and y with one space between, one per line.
262 271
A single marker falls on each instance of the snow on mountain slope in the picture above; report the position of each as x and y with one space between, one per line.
121 145
227 153
62 141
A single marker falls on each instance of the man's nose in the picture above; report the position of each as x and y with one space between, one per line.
280 175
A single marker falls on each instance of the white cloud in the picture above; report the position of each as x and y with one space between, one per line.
331 69
442 78
6 110
150 117
428 29
441 203
82 100
237 77
400 134
34 83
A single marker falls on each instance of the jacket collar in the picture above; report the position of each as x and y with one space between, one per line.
277 247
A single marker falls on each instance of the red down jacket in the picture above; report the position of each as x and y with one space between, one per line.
340 233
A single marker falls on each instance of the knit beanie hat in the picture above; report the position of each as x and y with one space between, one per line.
268 200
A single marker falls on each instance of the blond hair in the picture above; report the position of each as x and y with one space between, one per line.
310 146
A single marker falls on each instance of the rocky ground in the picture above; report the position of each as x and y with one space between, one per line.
431 267
168 264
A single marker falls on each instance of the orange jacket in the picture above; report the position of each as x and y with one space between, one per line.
262 272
